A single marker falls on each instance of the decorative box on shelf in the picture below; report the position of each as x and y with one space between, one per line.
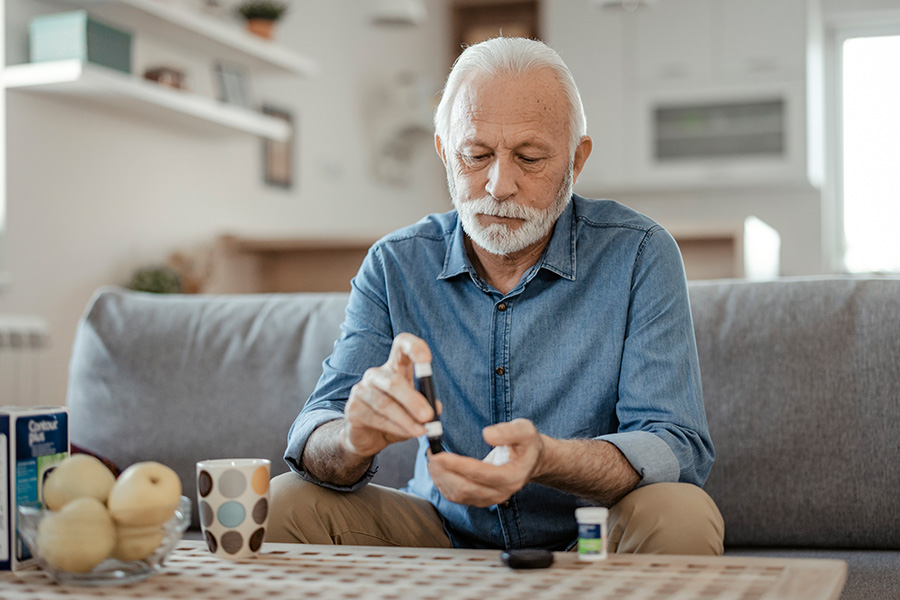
75 35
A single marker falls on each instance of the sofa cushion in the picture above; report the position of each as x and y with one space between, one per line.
177 379
801 380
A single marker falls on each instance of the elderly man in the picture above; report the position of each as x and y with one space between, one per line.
556 326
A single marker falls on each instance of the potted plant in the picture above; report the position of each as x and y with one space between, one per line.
156 279
261 15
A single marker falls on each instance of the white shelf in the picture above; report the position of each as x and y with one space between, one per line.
202 33
74 78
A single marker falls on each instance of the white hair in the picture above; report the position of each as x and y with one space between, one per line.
512 57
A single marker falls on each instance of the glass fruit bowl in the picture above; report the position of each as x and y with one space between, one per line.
111 570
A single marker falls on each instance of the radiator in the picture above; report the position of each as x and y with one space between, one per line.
22 343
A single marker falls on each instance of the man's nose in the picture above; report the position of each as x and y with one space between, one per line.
501 183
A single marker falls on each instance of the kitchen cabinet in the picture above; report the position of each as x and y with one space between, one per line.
592 42
273 265
743 249
671 42
682 42
762 39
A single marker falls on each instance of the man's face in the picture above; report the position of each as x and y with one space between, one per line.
509 170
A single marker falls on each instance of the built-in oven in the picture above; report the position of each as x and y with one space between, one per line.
726 135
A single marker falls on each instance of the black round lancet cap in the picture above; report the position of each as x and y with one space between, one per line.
527 558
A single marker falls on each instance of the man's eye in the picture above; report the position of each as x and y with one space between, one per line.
529 159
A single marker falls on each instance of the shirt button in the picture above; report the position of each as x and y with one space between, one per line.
500 371
501 307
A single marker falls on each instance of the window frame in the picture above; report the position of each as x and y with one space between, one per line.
839 29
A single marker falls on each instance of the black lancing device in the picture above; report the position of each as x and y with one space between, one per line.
433 429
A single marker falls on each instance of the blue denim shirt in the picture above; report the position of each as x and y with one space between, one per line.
595 341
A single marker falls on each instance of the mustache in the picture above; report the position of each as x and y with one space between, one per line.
487 205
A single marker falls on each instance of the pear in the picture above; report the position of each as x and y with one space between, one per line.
137 543
146 493
77 476
77 538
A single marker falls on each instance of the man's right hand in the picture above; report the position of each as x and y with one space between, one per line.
384 407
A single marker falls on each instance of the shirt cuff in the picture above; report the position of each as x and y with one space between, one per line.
648 454
299 435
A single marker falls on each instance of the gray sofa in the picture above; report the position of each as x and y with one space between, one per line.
801 379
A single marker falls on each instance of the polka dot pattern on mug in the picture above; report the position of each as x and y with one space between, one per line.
260 511
260 481
233 505
204 483
231 514
232 483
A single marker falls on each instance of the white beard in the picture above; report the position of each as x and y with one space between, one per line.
498 238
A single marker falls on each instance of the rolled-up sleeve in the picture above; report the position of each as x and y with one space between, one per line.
651 457
299 434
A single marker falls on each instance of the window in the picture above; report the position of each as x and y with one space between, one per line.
868 137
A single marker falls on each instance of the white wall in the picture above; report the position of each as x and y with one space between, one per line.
93 194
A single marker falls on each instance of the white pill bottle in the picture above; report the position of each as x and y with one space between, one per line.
591 532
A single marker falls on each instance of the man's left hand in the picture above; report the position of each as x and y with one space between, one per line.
466 480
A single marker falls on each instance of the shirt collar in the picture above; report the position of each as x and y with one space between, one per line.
456 261
558 257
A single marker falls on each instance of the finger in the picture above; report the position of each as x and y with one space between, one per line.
370 405
461 489
406 350
514 432
363 409
396 389
476 471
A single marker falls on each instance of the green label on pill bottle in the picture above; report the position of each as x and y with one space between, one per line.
591 533
590 539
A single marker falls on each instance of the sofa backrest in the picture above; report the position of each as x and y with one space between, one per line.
801 382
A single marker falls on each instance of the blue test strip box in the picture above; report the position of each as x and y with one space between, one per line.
33 440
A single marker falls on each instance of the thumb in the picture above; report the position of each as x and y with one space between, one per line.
510 433
406 350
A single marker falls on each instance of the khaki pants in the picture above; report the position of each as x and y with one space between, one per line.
663 518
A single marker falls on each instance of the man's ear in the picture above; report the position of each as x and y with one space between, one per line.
440 149
582 152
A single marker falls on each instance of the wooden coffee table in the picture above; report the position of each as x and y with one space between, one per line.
298 572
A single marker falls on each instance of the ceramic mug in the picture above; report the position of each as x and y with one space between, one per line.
233 501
